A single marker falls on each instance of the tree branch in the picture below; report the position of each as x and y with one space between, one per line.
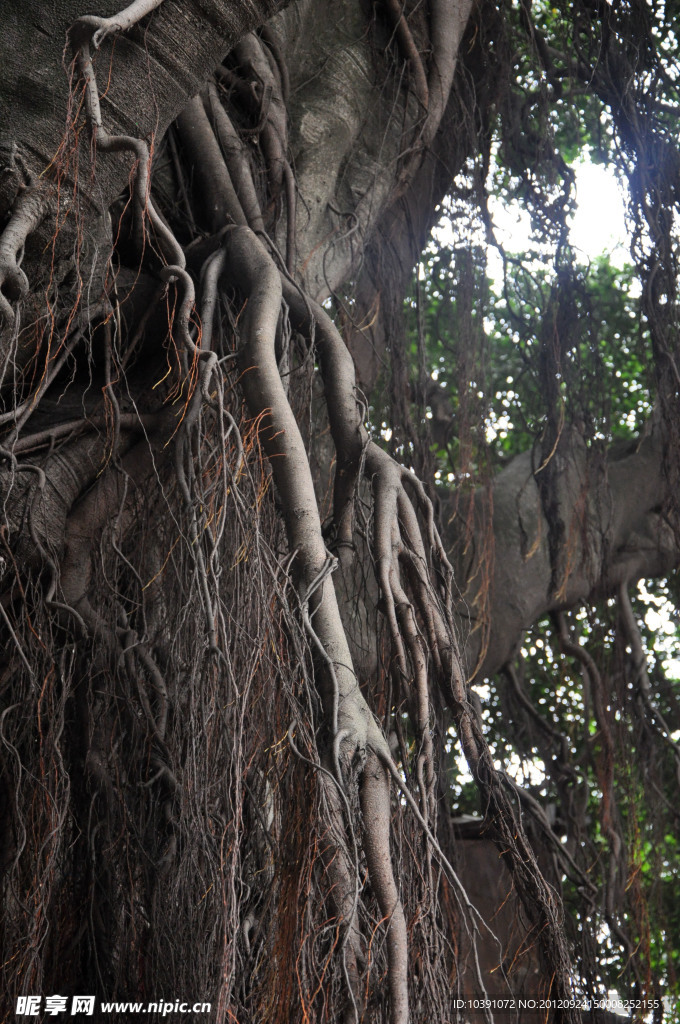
615 529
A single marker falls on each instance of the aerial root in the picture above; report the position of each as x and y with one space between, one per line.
416 584
410 51
236 160
32 204
344 873
29 210
632 632
170 249
376 810
100 28
351 723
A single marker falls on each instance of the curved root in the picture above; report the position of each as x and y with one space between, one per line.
100 28
29 209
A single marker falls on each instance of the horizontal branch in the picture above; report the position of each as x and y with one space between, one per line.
614 529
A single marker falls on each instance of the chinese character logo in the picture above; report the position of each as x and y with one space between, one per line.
55 1004
83 1004
28 1006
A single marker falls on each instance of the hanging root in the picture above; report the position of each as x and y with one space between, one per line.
416 583
409 51
170 249
253 270
30 208
352 731
375 806
33 203
100 28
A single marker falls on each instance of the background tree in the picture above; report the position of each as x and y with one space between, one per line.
276 515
